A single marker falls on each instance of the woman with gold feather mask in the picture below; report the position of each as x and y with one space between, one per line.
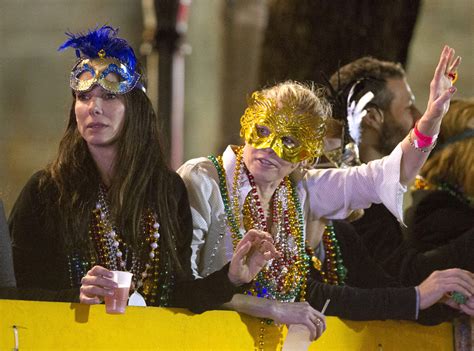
263 185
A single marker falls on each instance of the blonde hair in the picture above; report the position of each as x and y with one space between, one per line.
306 97
454 163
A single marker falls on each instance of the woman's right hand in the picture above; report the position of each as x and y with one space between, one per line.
96 284
250 256
300 313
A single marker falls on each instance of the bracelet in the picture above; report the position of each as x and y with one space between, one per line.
415 143
422 139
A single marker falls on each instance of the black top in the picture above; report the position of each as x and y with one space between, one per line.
380 232
437 218
370 293
42 264
439 235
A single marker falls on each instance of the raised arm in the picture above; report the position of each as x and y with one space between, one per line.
441 91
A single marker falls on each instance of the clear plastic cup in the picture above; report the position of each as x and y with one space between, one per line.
116 303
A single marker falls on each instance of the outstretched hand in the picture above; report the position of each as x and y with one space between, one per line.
440 283
250 256
441 87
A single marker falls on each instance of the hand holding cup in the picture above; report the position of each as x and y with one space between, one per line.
100 283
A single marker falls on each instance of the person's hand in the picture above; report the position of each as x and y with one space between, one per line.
251 255
300 313
440 283
468 307
95 285
441 91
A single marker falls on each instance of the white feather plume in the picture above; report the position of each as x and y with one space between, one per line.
357 111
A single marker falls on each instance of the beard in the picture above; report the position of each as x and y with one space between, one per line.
392 134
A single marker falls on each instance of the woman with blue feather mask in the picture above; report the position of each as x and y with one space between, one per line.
110 202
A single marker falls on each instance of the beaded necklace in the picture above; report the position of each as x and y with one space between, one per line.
455 191
333 271
114 254
284 278
78 265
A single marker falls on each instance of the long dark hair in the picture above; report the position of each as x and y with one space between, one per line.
142 180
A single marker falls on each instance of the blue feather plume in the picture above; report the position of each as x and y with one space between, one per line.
105 38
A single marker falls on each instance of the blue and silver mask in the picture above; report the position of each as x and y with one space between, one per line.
104 60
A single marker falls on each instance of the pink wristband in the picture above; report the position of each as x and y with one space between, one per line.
423 140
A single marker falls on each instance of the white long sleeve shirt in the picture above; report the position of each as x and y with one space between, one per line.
323 193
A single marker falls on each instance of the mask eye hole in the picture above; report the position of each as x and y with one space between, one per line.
114 74
262 131
114 78
289 142
86 73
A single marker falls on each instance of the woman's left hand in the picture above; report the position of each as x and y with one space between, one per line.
250 256
441 92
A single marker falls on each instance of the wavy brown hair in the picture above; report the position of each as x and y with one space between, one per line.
142 179
376 72
454 162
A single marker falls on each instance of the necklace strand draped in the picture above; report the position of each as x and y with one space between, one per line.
284 278
115 254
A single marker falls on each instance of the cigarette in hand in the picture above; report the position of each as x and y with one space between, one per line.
325 306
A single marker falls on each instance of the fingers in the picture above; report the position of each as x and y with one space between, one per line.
321 322
440 283
461 284
447 301
465 279
467 310
456 280
95 291
89 300
454 65
316 326
268 250
254 236
468 307
261 241
443 62
320 327
96 284
242 250
100 271
447 65
316 322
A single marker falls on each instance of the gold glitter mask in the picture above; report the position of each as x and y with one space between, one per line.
294 137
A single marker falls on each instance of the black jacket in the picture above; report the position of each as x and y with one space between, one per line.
369 292
41 263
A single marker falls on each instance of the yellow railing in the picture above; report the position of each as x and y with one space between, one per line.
64 326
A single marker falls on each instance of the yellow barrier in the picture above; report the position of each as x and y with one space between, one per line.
64 326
